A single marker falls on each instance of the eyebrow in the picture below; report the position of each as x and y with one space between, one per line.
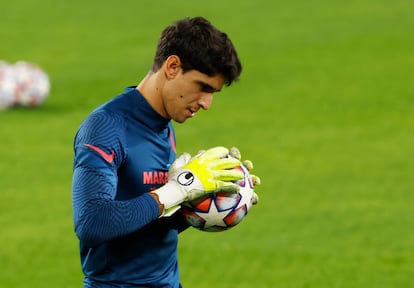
207 86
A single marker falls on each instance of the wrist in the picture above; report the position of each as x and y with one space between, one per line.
160 205
169 195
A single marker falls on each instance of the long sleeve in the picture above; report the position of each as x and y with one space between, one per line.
99 218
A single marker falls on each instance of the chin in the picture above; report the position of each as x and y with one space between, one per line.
179 120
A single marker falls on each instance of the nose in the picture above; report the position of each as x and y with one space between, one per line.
205 100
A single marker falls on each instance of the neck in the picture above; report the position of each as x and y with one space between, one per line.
151 88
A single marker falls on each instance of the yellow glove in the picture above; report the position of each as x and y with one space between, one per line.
208 172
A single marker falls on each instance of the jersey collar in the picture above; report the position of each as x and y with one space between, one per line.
145 112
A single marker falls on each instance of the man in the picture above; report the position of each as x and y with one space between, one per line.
127 184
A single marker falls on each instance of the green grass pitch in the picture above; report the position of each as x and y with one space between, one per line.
324 109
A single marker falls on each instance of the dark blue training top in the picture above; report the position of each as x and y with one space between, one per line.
123 151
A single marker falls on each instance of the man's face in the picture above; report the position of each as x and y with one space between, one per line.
189 92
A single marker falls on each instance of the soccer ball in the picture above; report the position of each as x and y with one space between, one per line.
7 86
221 211
32 82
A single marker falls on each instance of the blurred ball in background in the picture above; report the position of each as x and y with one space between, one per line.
22 84
7 86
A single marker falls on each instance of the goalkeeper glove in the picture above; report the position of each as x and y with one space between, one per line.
206 173
235 152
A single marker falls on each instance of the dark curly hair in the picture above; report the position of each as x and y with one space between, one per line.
201 47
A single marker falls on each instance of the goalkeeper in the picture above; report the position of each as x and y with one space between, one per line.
127 183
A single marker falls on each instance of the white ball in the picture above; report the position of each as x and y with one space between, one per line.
221 211
33 84
8 87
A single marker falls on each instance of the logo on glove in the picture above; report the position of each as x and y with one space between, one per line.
186 178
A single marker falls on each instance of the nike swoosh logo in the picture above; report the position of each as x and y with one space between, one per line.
108 157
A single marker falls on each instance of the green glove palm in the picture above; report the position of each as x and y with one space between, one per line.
208 172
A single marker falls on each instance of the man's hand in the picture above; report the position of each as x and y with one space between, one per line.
208 172
235 152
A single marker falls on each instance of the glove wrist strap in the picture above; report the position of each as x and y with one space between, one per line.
170 195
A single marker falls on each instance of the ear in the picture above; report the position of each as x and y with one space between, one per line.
172 66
